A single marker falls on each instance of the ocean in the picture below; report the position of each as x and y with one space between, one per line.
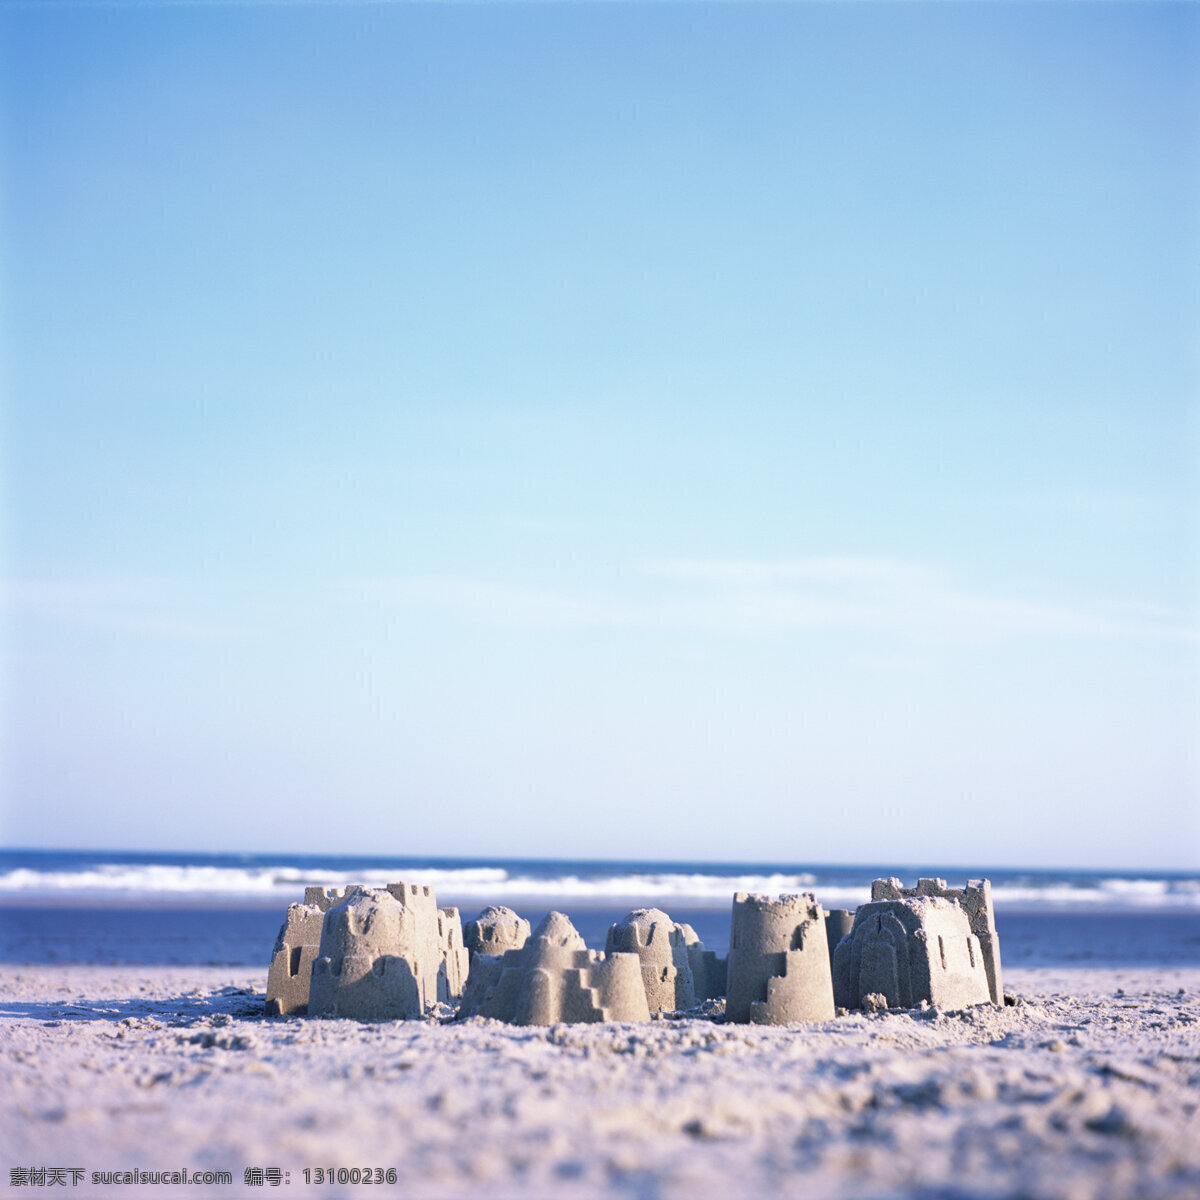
141 908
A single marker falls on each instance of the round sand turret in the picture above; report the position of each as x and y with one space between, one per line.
495 931
779 968
662 951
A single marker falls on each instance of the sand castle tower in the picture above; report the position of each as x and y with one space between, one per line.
291 961
553 977
296 946
380 957
975 900
778 961
901 952
495 931
838 923
444 926
456 958
709 971
492 934
662 950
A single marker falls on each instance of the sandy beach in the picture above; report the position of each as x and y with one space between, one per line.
1087 1087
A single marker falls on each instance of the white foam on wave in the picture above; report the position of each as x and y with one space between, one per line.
484 884
1103 894
156 882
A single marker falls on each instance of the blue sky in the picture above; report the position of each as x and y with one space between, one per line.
723 431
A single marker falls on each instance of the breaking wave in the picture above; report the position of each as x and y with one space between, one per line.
484 884
552 884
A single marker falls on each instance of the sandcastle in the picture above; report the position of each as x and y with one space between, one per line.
975 900
374 961
554 977
330 943
903 952
662 950
491 935
779 968
390 953
930 943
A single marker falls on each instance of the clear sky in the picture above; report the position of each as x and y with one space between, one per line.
720 431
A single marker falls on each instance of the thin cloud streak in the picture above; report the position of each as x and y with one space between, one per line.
779 597
751 598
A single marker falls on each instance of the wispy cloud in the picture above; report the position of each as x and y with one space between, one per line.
753 597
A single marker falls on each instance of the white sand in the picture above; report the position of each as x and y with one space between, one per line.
1088 1089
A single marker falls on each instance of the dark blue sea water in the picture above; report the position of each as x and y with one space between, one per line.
145 908
230 936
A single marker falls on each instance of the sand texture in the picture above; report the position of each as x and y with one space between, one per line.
1088 1088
